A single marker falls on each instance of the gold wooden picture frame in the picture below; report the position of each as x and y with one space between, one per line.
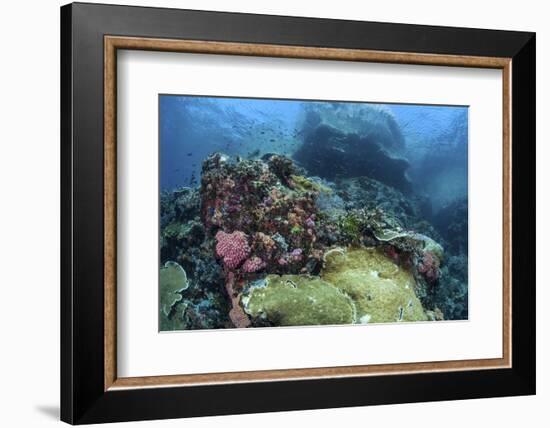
114 43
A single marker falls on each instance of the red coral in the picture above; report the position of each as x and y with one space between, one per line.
392 253
429 267
253 264
236 314
232 247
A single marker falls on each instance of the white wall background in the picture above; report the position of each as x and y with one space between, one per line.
29 214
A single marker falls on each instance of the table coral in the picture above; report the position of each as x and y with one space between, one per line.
173 280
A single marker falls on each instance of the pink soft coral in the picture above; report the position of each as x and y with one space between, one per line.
232 247
253 264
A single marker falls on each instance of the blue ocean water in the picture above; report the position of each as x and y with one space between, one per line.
191 127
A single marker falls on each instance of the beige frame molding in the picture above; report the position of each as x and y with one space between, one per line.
113 43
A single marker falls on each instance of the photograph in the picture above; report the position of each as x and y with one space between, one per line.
294 212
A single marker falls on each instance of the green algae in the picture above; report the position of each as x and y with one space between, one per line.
291 300
303 184
173 280
351 226
381 290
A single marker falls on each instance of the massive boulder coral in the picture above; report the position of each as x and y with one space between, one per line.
357 285
382 290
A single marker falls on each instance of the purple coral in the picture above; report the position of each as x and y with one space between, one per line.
232 247
253 264
296 254
310 222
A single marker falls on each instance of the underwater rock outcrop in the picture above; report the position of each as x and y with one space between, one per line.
410 210
183 240
452 223
262 214
330 153
375 122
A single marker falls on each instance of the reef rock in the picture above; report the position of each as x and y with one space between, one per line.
452 223
183 240
262 213
364 192
370 120
330 153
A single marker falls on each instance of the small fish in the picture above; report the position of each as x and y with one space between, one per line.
190 154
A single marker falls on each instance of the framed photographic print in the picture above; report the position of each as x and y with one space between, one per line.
264 213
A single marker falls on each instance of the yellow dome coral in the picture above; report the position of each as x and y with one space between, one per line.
289 300
381 290
357 285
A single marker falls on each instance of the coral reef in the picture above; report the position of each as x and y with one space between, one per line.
263 211
452 222
183 239
263 243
